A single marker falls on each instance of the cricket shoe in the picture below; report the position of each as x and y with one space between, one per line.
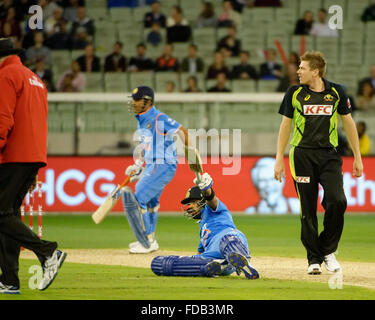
314 269
242 264
331 263
134 244
9 289
141 249
50 268
212 269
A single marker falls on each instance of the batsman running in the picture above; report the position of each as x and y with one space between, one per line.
158 151
223 249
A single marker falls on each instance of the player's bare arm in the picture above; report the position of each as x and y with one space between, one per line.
352 134
282 141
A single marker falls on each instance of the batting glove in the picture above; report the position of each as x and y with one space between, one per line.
135 170
205 182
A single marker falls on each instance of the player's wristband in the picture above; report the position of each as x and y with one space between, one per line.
211 196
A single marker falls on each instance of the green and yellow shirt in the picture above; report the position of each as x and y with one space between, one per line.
314 114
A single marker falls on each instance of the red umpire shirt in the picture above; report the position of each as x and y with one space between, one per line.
23 114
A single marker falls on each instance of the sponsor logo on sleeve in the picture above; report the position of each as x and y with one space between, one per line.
349 104
317 110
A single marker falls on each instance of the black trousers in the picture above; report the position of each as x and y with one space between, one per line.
15 180
310 167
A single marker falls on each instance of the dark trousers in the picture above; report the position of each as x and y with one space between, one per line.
311 167
15 180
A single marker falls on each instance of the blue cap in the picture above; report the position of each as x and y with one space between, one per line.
143 92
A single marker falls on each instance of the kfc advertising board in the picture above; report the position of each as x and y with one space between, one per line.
80 184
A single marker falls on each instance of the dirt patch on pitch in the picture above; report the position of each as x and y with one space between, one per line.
354 273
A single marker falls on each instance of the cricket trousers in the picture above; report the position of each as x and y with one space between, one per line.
15 181
309 168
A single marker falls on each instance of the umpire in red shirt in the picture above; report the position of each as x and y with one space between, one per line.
23 150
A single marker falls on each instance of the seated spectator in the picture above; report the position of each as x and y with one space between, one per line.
116 61
229 45
207 17
154 37
72 80
244 70
47 6
264 3
218 66
370 80
71 8
304 25
270 70
220 85
11 25
321 27
192 63
170 87
58 37
154 16
364 139
140 62
83 29
167 62
369 13
178 29
38 50
290 78
229 17
238 5
366 100
4 6
192 84
89 62
44 74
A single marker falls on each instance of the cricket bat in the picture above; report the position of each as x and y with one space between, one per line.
106 207
194 161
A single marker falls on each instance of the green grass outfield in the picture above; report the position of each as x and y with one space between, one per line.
267 236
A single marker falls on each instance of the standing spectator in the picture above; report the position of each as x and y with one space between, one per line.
369 13
244 70
154 16
229 17
23 145
170 87
370 80
218 66
140 62
39 50
167 62
207 17
83 29
192 63
229 45
178 29
321 27
44 74
14 28
290 78
116 61
72 80
192 84
304 25
89 62
364 139
270 70
220 84
154 37
366 100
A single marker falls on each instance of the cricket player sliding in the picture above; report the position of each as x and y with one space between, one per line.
156 131
314 106
222 249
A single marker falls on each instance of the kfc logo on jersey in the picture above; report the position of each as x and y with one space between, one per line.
317 110
303 179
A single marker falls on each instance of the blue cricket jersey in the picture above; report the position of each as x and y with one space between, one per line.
214 222
156 131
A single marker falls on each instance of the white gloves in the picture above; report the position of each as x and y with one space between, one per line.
205 182
137 169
